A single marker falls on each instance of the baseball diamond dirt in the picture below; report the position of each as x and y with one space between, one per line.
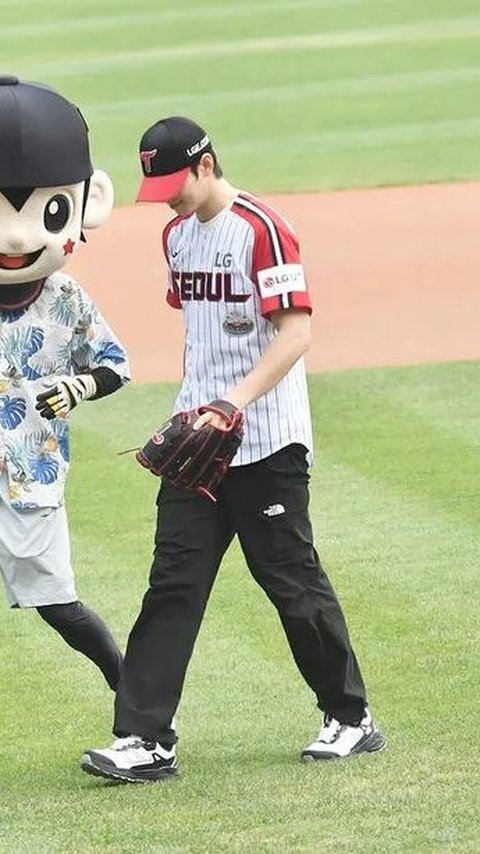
394 274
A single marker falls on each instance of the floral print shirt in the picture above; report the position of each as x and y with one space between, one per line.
61 333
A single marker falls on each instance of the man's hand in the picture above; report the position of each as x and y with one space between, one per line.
192 459
60 399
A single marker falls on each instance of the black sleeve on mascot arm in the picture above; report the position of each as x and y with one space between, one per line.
107 382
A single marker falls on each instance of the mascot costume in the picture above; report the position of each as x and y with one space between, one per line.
56 350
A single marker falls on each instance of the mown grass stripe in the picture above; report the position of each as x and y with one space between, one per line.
119 20
452 28
388 442
375 84
371 137
351 139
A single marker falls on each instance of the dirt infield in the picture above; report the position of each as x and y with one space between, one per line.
394 275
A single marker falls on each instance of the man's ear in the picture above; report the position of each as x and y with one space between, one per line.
100 200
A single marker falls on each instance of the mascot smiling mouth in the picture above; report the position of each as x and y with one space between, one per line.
18 262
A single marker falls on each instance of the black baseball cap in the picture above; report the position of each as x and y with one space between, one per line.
167 150
43 137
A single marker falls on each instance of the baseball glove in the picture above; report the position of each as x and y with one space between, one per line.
197 460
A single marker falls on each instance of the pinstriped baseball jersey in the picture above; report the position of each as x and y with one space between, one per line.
228 275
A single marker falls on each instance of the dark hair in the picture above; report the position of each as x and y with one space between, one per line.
217 169
17 196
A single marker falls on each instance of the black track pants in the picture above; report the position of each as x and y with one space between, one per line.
84 631
266 505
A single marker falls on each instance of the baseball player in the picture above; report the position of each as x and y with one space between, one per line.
55 351
236 274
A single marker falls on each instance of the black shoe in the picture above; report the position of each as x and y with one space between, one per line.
133 759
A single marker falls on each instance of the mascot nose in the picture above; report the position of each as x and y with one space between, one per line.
14 242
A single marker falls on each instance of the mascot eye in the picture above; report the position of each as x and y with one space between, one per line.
56 213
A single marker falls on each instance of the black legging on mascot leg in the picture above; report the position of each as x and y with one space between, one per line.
84 631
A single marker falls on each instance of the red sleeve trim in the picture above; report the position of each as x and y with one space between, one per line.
166 233
285 302
173 299
275 242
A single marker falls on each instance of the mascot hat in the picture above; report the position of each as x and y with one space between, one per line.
43 137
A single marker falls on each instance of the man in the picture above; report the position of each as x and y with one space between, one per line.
235 271
55 351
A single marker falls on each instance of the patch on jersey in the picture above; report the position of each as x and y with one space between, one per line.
282 279
236 323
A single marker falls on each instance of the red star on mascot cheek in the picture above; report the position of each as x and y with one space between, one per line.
68 247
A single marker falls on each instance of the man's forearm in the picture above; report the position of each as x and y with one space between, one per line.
287 347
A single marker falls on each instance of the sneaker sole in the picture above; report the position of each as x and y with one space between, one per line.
123 776
370 744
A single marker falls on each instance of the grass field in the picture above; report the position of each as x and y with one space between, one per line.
298 94
394 496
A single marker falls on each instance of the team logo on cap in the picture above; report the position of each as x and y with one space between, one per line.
146 157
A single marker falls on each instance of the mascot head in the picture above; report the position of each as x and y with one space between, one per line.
49 190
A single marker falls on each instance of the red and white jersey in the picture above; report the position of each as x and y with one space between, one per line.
228 275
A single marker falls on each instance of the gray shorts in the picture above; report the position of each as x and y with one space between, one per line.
35 556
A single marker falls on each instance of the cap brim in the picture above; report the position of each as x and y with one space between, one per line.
162 188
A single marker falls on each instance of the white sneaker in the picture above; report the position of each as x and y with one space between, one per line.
338 741
133 759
